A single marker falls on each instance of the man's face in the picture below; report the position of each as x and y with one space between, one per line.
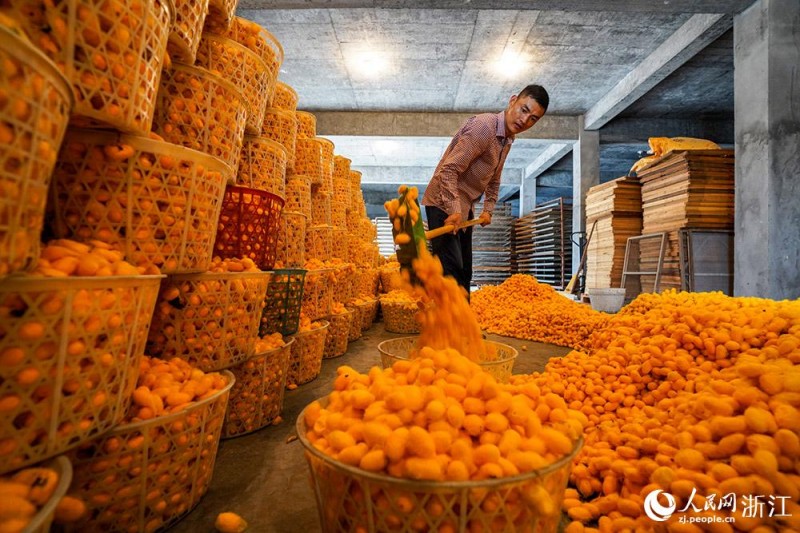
521 114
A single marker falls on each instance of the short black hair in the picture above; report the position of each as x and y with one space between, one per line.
538 93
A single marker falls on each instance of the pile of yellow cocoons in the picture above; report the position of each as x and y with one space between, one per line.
440 417
522 307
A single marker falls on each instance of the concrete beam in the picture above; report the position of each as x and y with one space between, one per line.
638 130
552 128
420 175
695 34
642 6
546 159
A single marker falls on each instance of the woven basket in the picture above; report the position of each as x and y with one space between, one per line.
256 398
73 345
341 194
244 69
292 240
318 242
283 302
200 110
352 499
308 159
285 97
355 324
341 169
399 317
320 207
307 125
281 126
209 320
43 519
258 40
249 225
298 194
391 280
355 182
30 136
339 243
318 293
338 333
368 280
263 165
144 476
327 147
185 31
346 277
111 53
501 366
368 311
305 361
156 202
220 15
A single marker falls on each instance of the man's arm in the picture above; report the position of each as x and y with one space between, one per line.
492 191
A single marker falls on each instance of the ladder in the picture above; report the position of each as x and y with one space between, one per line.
632 247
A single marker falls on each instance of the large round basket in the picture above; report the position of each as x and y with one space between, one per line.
144 476
32 130
257 396
399 349
352 499
70 351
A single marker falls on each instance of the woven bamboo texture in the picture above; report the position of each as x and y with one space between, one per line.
56 323
200 110
88 40
185 31
145 476
305 361
245 69
257 396
298 194
318 242
285 97
292 240
32 127
156 202
318 293
338 332
209 320
263 165
307 125
281 126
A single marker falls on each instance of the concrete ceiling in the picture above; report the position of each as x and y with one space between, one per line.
391 81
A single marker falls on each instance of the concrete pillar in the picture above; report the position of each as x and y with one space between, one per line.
767 130
585 174
527 195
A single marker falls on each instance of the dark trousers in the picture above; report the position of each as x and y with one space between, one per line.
454 251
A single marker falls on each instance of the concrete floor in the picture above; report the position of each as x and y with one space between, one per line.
265 480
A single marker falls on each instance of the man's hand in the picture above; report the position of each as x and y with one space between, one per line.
485 218
454 219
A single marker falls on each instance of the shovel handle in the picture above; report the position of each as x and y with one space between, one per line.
449 228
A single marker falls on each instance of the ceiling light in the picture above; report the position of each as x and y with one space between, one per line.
510 63
369 63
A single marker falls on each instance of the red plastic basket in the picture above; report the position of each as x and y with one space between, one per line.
248 226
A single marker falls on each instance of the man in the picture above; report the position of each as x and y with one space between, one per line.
471 167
